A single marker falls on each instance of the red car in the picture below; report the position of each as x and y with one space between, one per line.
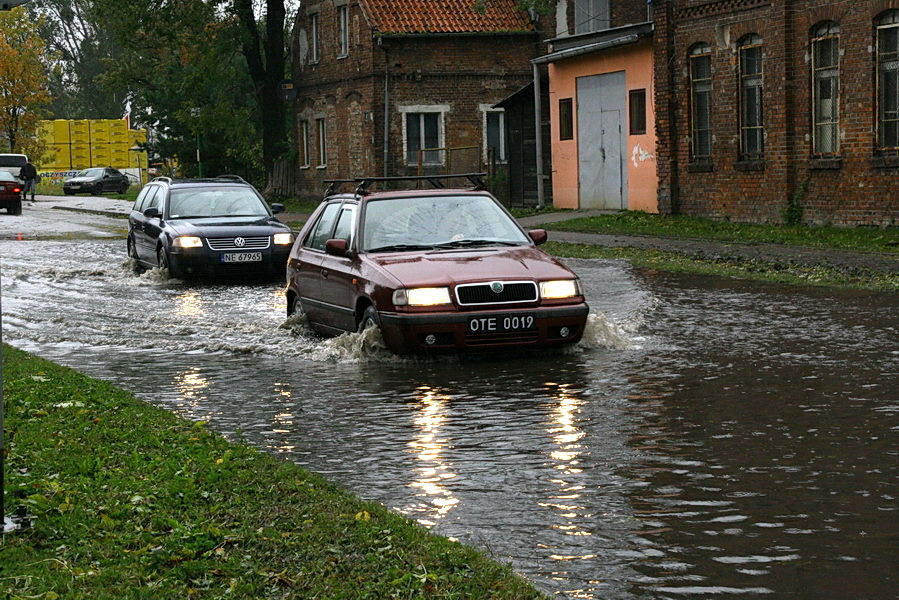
10 193
439 269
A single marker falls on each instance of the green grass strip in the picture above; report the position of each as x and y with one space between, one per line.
641 223
754 270
134 502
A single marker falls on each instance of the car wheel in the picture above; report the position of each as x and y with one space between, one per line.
124 188
17 208
162 259
97 190
296 308
369 319
68 192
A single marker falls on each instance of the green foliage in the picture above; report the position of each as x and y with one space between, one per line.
641 223
792 210
132 502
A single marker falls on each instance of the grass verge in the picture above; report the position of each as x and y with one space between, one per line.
133 502
756 270
641 223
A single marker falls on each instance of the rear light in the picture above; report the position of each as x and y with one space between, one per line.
17 190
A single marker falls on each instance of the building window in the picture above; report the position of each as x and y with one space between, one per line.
423 134
752 132
343 34
304 143
826 88
888 83
314 44
566 120
494 134
591 15
701 102
322 143
636 106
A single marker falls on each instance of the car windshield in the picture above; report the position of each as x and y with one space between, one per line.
91 173
215 202
416 222
13 160
6 176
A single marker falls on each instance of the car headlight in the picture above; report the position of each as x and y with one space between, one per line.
421 297
562 288
282 239
188 241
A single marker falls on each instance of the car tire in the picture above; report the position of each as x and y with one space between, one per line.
369 319
68 192
124 188
132 254
162 259
97 190
296 307
17 208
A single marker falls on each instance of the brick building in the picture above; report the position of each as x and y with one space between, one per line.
760 103
381 82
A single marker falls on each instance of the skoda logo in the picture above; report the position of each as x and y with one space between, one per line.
239 242
497 287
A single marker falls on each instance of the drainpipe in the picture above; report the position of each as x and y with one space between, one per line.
538 137
386 104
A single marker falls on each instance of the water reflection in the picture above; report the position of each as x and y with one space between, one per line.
192 387
189 303
428 446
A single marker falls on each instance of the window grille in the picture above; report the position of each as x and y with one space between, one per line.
701 102
752 131
826 89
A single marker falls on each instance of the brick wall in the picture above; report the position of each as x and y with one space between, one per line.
855 187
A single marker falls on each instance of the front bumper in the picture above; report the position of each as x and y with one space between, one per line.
553 326
204 261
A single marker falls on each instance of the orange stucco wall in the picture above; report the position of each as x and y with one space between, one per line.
636 62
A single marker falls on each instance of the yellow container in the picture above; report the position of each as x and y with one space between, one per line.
56 158
118 155
137 136
100 155
61 133
99 129
81 156
137 160
80 132
45 133
118 131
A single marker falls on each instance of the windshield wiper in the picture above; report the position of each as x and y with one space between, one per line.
399 248
471 243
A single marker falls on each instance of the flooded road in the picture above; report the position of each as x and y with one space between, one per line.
710 438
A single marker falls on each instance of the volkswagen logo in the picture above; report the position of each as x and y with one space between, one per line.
240 242
497 287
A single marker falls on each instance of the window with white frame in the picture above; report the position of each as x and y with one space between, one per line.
304 143
322 143
423 134
591 15
494 125
826 88
314 39
888 82
701 102
343 33
752 131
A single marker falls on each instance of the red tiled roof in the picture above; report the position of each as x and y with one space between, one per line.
445 16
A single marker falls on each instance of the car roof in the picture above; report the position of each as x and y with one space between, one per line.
221 180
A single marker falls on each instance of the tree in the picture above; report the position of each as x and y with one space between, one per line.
23 72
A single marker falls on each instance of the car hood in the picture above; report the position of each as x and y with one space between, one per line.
414 269
81 180
227 226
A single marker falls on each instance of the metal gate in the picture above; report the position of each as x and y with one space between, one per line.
602 166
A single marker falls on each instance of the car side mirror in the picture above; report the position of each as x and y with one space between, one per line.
337 247
538 235
152 213
277 208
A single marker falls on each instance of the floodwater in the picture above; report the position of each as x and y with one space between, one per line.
711 438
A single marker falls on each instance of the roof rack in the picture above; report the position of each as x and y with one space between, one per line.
334 185
475 178
231 177
162 178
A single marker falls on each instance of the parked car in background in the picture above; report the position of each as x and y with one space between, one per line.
96 181
440 269
12 163
10 193
196 227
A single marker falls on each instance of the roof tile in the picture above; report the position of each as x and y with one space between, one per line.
446 16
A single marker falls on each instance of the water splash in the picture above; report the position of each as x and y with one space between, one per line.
600 332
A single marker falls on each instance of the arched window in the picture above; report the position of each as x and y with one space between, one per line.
752 131
888 82
700 60
826 88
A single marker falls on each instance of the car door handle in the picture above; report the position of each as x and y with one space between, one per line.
324 273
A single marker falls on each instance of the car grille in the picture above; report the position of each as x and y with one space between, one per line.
470 294
230 243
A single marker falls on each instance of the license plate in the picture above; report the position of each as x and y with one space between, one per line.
242 257
499 324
